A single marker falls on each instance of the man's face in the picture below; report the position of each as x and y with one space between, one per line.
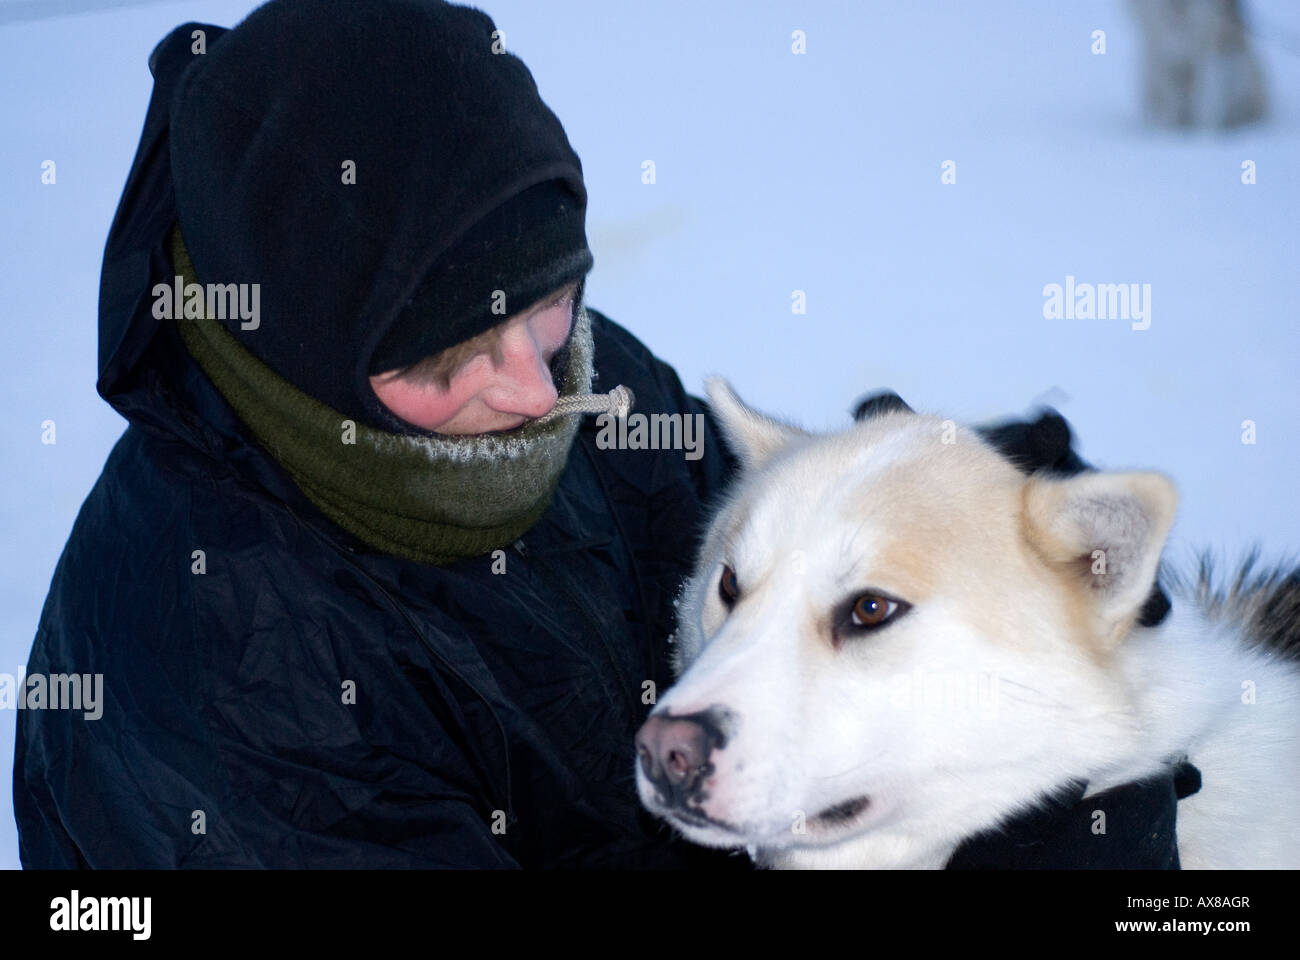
485 396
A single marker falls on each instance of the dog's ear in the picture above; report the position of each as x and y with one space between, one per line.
1105 531
887 401
752 436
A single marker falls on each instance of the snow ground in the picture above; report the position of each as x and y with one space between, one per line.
776 172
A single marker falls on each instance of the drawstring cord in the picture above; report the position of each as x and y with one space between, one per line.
618 402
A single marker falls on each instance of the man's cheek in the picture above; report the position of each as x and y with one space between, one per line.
424 405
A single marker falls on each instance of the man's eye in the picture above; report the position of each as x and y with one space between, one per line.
470 362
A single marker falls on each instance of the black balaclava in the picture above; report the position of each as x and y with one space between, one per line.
387 175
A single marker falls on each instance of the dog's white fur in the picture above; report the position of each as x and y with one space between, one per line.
1007 597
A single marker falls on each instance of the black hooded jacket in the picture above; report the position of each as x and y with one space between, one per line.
277 694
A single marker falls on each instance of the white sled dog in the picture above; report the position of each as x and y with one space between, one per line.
848 572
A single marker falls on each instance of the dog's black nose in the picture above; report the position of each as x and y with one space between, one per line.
674 753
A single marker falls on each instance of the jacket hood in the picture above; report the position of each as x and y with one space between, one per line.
331 175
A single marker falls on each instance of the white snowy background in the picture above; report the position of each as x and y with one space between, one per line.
775 173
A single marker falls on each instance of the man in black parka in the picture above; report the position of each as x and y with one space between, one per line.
329 636
455 684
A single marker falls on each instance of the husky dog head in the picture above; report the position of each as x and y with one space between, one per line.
893 639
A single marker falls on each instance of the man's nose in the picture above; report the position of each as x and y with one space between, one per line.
523 385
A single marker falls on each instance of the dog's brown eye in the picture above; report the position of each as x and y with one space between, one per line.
728 588
870 610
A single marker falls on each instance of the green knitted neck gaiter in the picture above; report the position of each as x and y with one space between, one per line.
429 499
